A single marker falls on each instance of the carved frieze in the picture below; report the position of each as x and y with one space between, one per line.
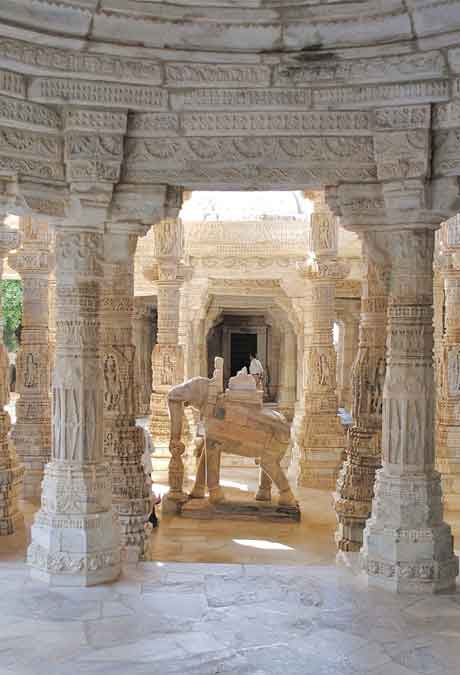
24 143
216 75
391 68
81 63
12 84
247 99
251 175
282 123
95 120
86 92
306 149
28 115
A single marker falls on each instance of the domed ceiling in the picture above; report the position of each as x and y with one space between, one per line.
232 25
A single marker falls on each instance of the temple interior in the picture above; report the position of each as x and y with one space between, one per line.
230 345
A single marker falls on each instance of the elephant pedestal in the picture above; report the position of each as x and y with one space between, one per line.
239 509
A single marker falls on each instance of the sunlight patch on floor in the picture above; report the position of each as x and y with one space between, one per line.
264 544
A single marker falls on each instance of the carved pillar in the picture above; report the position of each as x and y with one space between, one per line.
288 371
76 533
407 546
124 442
32 433
11 471
167 360
448 353
143 328
355 486
323 442
75 537
349 348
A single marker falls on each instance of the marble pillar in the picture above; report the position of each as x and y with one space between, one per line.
32 432
124 442
167 359
323 441
407 546
349 347
355 486
144 339
448 360
287 371
11 472
76 534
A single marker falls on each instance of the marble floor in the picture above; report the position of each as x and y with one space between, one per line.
245 598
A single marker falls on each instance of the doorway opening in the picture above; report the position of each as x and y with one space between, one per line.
241 346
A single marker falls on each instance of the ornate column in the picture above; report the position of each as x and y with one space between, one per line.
355 486
124 442
349 348
143 328
76 533
324 440
32 433
288 370
407 546
11 471
448 389
167 359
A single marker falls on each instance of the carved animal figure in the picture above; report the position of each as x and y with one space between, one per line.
235 422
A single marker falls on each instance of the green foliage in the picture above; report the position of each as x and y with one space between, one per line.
11 290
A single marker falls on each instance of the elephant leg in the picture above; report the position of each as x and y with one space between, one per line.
276 473
263 494
216 494
199 489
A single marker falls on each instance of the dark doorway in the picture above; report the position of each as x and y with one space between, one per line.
241 345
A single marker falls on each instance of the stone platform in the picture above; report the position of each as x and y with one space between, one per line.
239 509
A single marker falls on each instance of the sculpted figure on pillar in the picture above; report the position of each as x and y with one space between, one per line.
323 440
32 433
353 497
11 472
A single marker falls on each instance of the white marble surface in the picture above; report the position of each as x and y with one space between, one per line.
209 618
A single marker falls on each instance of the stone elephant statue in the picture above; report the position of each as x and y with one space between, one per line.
235 422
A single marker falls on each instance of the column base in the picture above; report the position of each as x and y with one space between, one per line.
355 488
407 547
322 453
76 535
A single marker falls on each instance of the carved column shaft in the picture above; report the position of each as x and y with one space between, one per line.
167 360
355 486
75 536
407 546
32 434
143 328
123 441
448 359
323 443
11 471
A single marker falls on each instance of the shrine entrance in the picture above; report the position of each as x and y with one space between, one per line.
241 346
